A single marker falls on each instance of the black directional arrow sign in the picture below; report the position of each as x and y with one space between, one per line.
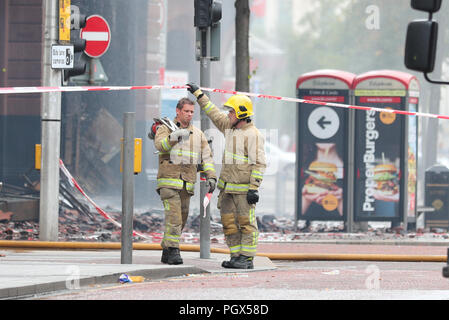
322 122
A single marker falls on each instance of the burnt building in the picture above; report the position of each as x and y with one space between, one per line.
91 125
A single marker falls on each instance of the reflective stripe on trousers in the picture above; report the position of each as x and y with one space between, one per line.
174 183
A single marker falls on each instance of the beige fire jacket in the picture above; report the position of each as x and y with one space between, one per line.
178 161
244 155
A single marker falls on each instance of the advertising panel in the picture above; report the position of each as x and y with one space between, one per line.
385 148
412 156
322 147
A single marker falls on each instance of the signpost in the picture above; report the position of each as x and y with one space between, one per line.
97 35
50 125
62 56
64 21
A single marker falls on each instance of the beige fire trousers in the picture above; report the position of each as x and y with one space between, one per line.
176 208
239 224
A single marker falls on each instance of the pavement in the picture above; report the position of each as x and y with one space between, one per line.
27 273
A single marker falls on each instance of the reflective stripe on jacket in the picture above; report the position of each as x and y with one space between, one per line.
244 155
178 161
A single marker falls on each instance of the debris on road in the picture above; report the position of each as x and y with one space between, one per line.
124 278
78 221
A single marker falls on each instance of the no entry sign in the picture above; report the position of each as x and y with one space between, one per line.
97 35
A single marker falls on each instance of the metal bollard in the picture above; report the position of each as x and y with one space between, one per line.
128 188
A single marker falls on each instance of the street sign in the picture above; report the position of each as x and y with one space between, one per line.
62 56
64 20
97 35
323 122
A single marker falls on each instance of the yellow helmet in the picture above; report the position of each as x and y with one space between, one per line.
241 104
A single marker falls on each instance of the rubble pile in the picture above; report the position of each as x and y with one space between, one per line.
23 230
77 225
271 223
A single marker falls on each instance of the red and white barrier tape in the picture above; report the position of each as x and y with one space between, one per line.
330 104
75 184
17 90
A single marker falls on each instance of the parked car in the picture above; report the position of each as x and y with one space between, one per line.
279 161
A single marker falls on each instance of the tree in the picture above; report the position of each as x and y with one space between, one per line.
242 14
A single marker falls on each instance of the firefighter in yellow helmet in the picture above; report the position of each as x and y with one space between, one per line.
242 106
241 175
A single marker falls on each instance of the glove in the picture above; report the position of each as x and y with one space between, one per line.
252 196
153 130
180 134
195 90
192 87
211 182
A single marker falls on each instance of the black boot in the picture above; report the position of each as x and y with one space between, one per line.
174 256
230 263
164 258
243 262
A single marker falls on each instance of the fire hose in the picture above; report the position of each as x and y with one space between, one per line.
50 245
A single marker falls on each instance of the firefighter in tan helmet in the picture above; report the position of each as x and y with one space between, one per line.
181 149
240 177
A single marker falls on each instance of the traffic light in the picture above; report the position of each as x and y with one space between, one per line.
77 22
79 68
202 13
421 45
215 31
208 14
421 40
215 12
430 6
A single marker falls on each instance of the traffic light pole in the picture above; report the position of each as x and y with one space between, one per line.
51 129
207 18
205 124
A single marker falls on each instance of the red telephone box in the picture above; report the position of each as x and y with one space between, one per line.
321 152
385 147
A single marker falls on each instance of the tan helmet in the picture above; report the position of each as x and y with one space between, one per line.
241 104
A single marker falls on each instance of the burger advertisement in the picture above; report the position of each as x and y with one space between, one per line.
387 183
321 189
378 154
321 178
322 182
